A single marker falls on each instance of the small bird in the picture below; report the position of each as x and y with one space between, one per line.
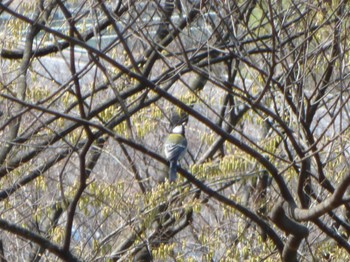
175 147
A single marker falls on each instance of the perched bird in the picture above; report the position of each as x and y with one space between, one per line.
175 147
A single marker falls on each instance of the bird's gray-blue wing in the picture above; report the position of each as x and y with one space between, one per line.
174 152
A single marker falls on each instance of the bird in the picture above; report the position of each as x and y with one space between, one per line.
175 147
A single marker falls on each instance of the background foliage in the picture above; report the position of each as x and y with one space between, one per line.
88 90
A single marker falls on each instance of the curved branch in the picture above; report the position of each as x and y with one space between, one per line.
334 201
65 255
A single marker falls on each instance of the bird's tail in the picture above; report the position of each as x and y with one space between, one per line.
172 171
